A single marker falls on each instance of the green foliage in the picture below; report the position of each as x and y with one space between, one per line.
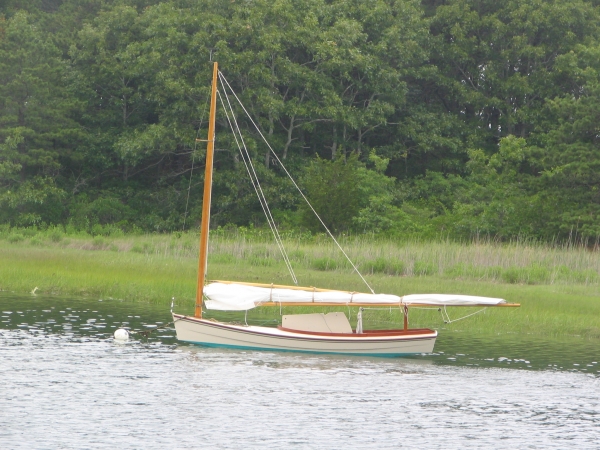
99 243
14 238
323 264
334 191
36 241
258 261
401 119
55 235
143 247
350 197
36 123
423 268
384 266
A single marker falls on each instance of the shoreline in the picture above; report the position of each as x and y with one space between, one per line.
157 275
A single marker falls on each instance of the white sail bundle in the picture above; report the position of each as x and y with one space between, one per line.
241 297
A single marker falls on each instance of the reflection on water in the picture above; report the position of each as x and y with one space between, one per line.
519 352
66 383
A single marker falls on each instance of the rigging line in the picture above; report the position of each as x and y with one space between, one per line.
254 179
247 160
256 184
187 200
297 187
260 193
444 311
266 208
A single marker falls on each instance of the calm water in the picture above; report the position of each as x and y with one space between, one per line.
64 383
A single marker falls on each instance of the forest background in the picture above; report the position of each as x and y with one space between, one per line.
399 118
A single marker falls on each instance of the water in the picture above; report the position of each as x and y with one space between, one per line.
64 383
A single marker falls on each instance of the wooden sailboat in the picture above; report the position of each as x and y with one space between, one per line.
315 333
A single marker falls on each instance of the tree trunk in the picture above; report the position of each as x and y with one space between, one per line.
334 145
268 153
290 132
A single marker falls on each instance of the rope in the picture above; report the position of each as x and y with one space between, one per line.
446 317
187 200
255 182
225 82
258 189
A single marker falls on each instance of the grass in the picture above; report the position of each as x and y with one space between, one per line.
558 287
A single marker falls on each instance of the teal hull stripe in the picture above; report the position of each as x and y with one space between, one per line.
266 349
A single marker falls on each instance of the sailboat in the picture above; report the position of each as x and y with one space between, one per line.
314 333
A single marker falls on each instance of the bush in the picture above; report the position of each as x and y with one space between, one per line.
477 272
222 258
14 238
535 274
260 261
324 264
29 232
512 275
386 266
102 211
424 268
297 255
4 230
142 248
55 235
98 242
37 241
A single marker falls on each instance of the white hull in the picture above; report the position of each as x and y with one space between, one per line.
216 334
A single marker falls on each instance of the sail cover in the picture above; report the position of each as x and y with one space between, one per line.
240 297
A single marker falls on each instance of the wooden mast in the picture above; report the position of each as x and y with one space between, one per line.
210 151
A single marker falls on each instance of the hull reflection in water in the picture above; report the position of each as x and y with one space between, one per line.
216 334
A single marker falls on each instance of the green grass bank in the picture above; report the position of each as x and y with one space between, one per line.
558 287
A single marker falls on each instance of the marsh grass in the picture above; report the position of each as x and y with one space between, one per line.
559 287
513 263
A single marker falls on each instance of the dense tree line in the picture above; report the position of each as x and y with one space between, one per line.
405 117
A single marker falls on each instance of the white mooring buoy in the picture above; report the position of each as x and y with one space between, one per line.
121 334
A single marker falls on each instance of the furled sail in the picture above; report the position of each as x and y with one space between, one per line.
240 297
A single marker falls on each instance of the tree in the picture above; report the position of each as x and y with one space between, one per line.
36 118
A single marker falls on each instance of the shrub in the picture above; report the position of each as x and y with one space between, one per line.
512 275
223 258
463 270
29 232
260 262
145 247
4 230
37 241
584 276
107 230
324 264
424 268
55 234
534 274
297 255
98 242
537 274
14 238
386 266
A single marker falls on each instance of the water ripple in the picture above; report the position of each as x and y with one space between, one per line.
80 389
